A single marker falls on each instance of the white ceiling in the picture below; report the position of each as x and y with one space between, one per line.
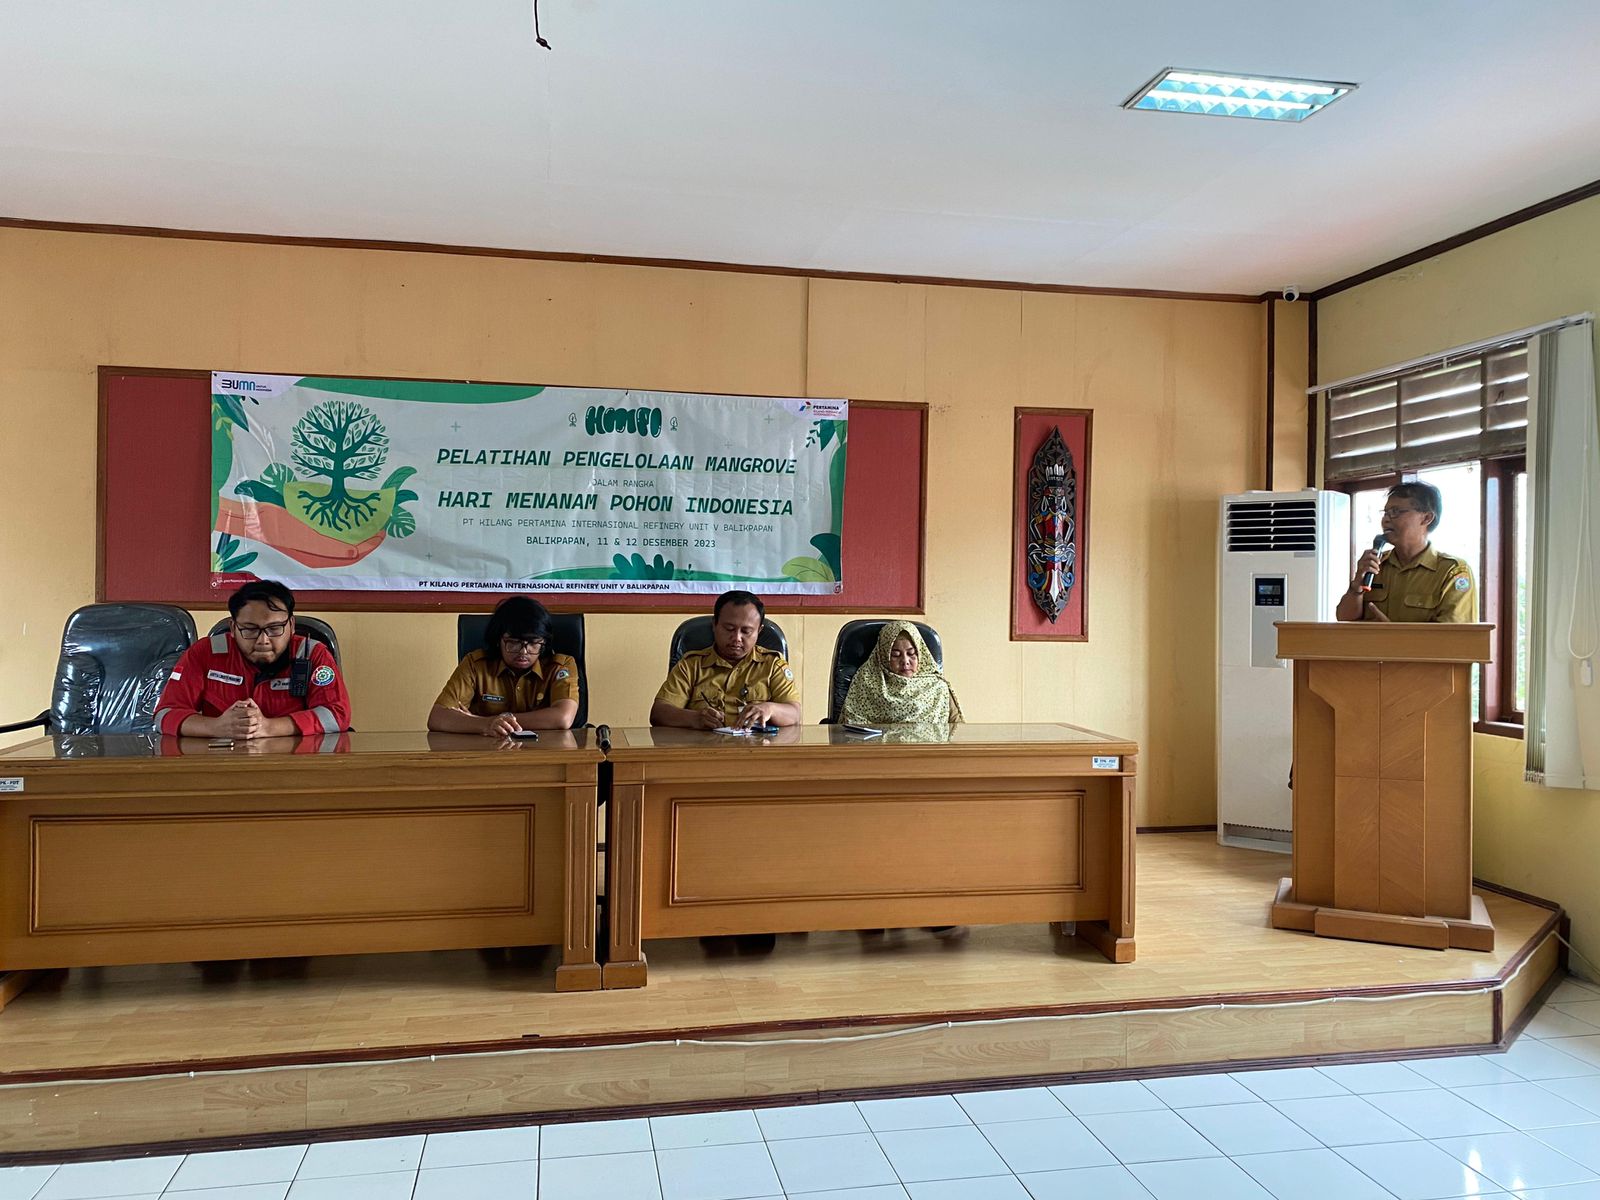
980 139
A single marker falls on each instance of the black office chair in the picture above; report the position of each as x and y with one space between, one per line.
115 659
566 637
853 647
314 628
695 634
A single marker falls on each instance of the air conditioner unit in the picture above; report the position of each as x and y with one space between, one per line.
1285 556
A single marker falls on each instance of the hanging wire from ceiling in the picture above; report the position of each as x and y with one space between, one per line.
537 36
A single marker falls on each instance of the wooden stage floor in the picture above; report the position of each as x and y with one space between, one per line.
101 1058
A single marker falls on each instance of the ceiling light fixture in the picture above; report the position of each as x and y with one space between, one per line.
1217 94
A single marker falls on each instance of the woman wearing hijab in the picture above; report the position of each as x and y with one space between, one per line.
900 684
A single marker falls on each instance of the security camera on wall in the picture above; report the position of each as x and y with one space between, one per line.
1291 293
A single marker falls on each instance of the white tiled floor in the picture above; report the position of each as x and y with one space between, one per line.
1525 1124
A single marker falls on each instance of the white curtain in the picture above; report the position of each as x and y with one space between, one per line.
1563 717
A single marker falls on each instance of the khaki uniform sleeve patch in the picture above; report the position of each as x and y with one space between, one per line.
783 687
563 680
1459 602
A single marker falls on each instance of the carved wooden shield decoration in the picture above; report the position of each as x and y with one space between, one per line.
1052 525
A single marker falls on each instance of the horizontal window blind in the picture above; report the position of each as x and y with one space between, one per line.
1466 409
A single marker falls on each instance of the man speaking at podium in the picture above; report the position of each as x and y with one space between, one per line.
1413 582
257 680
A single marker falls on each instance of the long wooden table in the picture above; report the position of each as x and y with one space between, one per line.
146 849
814 828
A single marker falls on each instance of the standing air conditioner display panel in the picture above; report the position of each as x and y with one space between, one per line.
1282 558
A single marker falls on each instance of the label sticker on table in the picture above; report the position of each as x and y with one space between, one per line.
1105 762
10 785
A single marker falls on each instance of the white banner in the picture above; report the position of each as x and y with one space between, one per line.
397 485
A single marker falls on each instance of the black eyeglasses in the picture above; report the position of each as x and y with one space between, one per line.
251 632
516 643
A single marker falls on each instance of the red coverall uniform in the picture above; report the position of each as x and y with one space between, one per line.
213 675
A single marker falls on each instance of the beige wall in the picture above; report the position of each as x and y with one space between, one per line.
1290 370
1176 387
1539 840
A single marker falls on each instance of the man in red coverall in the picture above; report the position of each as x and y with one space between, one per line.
257 680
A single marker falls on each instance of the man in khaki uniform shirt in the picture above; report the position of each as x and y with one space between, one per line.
515 682
1413 581
733 682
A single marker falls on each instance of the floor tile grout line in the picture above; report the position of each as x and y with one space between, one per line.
783 1188
995 1150
1377 1183
655 1158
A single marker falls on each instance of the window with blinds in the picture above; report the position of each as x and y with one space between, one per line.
1461 410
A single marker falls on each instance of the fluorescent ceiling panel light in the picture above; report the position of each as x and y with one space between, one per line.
1216 94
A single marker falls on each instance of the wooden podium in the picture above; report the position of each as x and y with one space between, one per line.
1382 847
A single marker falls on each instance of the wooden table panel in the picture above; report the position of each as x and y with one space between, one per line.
814 829
143 850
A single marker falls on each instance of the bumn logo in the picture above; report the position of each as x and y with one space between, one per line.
239 385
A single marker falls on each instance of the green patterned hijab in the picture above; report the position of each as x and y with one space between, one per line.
878 696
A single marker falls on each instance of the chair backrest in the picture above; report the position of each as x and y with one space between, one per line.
566 637
695 634
854 646
314 628
115 659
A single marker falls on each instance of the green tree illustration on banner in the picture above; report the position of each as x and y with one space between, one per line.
323 520
340 441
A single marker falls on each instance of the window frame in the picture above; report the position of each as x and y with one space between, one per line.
1498 596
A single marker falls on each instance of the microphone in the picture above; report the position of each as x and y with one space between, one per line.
1368 576
602 737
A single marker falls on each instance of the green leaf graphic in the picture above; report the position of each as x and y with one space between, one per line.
827 545
259 492
226 409
221 463
223 558
635 567
808 570
421 392
276 475
836 486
